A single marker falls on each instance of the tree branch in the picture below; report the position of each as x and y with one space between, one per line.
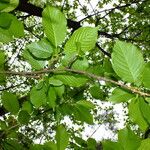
110 10
113 36
84 73
103 51
11 87
31 9
108 35
57 71
8 130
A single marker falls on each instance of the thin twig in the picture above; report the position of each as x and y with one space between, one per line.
110 9
24 17
7 131
11 87
102 50
94 132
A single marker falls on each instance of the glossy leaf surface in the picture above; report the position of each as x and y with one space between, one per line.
62 137
127 61
10 102
54 23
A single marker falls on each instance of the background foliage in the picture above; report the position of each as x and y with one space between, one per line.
63 60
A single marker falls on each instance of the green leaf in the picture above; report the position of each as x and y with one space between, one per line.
5 36
51 97
16 28
3 125
145 144
5 20
77 62
135 114
12 144
80 141
147 99
86 36
66 109
62 137
36 64
50 146
96 92
72 80
120 95
10 102
2 61
4 4
40 85
107 66
109 145
27 106
55 82
146 76
54 23
86 104
80 64
69 58
36 147
8 5
82 114
145 109
96 69
59 90
41 49
23 117
127 62
38 97
91 143
128 139
10 27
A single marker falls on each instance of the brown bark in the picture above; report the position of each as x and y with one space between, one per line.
25 6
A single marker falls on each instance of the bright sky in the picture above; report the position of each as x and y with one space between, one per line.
100 131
